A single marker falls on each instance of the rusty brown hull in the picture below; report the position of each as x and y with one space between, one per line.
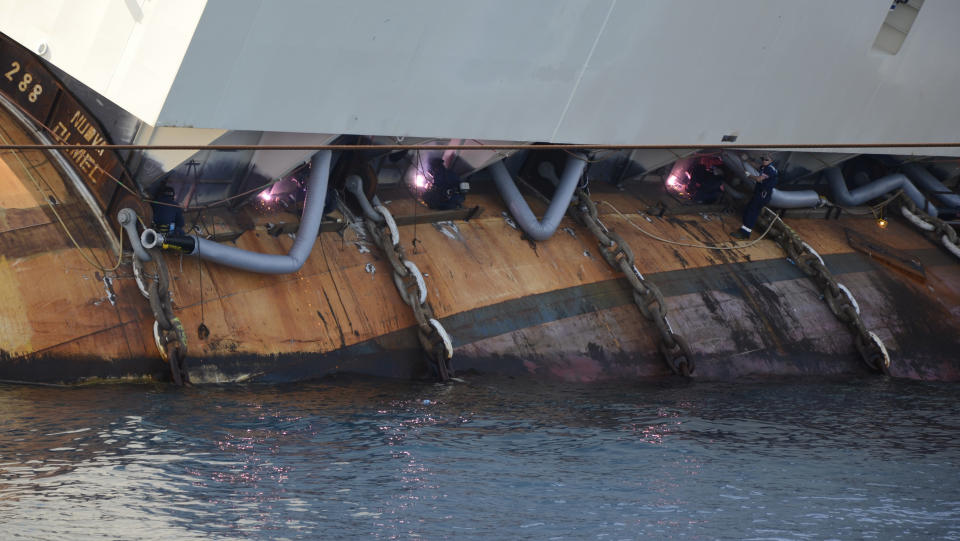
551 309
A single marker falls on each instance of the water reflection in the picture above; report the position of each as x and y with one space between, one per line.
495 458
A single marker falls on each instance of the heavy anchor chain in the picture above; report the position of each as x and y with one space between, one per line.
647 296
944 231
433 337
168 332
838 298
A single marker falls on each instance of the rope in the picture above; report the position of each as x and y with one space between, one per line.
66 229
416 203
607 156
198 207
737 246
647 296
873 208
200 266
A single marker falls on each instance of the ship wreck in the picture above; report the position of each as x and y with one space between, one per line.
546 189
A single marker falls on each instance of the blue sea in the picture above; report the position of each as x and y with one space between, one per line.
486 458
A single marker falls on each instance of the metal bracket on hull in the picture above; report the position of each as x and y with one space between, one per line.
884 253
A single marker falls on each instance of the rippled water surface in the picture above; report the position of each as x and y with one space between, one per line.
490 458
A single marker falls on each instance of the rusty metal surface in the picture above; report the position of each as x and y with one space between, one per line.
758 319
877 250
550 309
38 93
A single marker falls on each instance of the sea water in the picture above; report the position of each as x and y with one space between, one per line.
488 458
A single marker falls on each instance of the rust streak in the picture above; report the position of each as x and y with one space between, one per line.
77 338
747 294
343 342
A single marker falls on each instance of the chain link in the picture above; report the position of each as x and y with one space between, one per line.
168 331
410 284
837 296
615 251
943 230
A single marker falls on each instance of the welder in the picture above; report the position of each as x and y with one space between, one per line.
446 192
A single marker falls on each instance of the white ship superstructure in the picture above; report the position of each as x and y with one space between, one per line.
564 71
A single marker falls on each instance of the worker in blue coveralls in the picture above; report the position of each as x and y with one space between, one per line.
167 214
446 191
766 180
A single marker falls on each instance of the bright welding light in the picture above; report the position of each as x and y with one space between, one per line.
882 223
265 195
674 183
419 180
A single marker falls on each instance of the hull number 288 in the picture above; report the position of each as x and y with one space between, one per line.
23 85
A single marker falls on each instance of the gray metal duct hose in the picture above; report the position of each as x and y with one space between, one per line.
922 178
517 205
354 185
878 188
302 246
783 199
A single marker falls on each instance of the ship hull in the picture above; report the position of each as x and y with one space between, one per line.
553 309
73 312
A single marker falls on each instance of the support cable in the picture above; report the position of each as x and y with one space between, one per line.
434 340
673 347
838 298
